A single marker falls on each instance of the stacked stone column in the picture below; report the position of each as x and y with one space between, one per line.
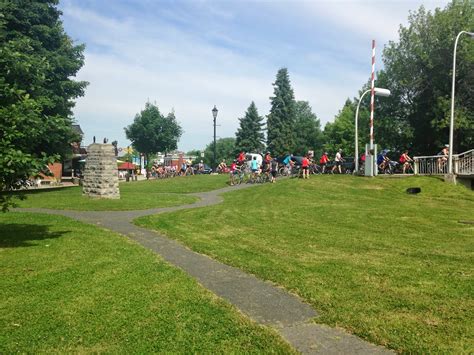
101 175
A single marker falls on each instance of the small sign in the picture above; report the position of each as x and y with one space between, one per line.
202 154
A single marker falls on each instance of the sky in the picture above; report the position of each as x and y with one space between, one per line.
188 56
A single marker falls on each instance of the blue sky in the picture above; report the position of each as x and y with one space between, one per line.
188 56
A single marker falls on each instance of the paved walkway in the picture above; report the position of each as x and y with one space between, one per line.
262 301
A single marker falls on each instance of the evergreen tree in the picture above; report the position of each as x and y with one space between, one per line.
307 130
281 120
249 136
37 62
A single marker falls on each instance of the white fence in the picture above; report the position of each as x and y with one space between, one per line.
463 164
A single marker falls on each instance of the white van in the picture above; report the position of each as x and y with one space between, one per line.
249 158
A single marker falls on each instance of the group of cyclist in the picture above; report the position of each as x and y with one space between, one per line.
271 167
386 165
268 168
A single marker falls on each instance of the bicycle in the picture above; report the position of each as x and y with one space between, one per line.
296 172
315 169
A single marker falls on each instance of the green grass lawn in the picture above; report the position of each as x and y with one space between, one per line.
71 287
135 195
393 268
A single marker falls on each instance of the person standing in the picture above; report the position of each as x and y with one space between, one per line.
254 167
232 172
274 169
323 161
305 167
338 161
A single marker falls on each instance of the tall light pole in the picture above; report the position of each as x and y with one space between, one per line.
451 123
378 92
214 114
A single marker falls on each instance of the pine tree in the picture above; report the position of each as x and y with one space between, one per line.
281 120
307 130
249 136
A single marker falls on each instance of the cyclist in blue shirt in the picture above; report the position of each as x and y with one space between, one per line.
254 166
382 160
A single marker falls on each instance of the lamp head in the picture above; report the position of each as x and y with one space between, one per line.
382 92
214 112
471 34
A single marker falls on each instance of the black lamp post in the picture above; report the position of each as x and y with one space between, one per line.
214 114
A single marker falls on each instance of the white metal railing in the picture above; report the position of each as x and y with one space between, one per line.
463 164
431 165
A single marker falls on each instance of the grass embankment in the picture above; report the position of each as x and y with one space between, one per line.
393 268
136 195
71 287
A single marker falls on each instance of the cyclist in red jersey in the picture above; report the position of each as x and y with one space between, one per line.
323 161
305 167
241 158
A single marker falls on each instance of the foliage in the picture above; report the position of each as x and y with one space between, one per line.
151 132
281 120
69 287
37 61
340 133
388 266
418 71
194 153
307 130
249 136
225 149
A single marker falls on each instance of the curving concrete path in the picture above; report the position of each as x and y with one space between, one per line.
262 301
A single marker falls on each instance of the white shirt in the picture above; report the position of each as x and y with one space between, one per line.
338 157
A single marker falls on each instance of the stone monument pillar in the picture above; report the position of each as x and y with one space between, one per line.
100 174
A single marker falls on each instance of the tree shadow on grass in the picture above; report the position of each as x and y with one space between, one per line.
14 235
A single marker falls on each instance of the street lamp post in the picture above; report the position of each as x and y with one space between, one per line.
378 92
214 114
451 123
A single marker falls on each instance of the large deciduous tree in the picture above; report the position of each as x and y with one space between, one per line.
340 133
37 63
249 136
418 70
307 130
151 132
281 120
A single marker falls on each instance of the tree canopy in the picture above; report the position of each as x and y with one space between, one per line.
225 149
151 132
308 135
418 71
37 63
249 136
281 120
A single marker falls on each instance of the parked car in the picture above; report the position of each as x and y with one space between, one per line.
206 170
